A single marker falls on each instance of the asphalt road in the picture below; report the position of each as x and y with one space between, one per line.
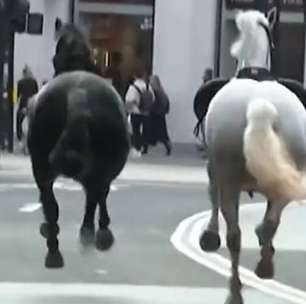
147 203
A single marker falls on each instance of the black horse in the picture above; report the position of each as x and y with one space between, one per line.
77 128
72 52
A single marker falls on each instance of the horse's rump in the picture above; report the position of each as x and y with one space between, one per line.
267 156
227 121
79 123
207 91
296 87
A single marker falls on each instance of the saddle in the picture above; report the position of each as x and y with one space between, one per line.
256 73
207 91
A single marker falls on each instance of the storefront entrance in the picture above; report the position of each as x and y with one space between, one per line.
120 33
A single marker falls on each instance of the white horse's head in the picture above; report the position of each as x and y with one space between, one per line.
253 45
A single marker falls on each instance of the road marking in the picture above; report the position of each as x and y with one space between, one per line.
186 238
26 293
74 187
161 173
114 188
30 207
13 186
101 272
68 186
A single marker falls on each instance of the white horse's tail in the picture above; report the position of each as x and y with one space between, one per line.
267 157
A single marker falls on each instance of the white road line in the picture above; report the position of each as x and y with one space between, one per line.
21 293
101 272
30 207
14 186
186 238
162 173
114 188
68 186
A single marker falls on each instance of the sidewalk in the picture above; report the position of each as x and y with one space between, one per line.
182 167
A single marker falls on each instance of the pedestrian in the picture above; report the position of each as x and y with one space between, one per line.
198 108
207 76
160 109
27 87
139 100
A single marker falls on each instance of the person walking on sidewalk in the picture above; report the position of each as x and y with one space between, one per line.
160 109
139 101
26 88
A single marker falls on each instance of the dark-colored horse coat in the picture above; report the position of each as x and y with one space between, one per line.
77 128
73 52
89 112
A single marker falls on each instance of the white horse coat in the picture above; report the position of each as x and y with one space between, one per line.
256 138
265 124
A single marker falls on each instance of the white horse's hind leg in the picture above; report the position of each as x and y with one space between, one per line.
259 228
210 239
229 202
265 233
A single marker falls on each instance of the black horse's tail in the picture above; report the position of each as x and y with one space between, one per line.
72 155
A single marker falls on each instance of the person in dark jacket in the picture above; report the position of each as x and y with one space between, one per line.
26 88
161 107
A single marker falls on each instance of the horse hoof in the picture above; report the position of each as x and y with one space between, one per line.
210 241
54 260
265 270
44 230
104 239
87 235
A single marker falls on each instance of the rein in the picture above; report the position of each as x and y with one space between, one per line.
271 43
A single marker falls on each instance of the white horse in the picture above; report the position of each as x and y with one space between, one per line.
256 138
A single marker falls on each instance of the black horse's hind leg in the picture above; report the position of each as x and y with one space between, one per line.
104 236
50 228
230 209
87 232
210 239
265 233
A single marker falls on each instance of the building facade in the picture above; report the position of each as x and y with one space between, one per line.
175 39
37 50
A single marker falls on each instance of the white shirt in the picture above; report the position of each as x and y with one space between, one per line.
132 97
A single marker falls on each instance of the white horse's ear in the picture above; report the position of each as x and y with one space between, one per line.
272 17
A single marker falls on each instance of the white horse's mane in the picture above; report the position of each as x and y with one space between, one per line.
248 24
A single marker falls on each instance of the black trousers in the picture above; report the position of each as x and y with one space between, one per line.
141 131
21 114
